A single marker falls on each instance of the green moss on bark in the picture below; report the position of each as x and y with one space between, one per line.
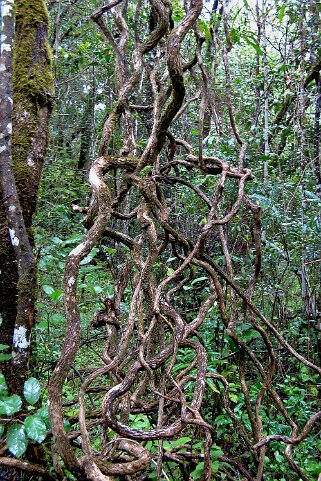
32 56
33 92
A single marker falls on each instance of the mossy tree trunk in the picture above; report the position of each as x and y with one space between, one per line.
32 87
8 276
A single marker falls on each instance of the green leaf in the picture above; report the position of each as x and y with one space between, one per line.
196 474
35 428
3 385
56 240
311 195
234 35
1 430
233 397
4 346
212 386
279 457
10 405
48 289
44 415
98 289
180 441
5 357
199 279
16 440
281 13
250 334
32 390
42 325
215 466
89 257
252 44
205 28
56 295
216 452
167 445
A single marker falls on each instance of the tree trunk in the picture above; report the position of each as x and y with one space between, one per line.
32 87
8 278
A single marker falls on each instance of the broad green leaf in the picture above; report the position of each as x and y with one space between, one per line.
56 295
32 390
74 239
5 357
215 466
10 405
250 334
279 457
180 441
98 289
67 425
16 440
233 397
42 325
216 452
167 445
3 385
35 428
44 415
196 474
48 289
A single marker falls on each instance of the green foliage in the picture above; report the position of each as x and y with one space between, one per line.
29 429
4 357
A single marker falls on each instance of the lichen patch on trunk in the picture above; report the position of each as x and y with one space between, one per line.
13 237
20 339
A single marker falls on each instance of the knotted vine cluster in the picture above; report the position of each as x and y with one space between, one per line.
137 185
